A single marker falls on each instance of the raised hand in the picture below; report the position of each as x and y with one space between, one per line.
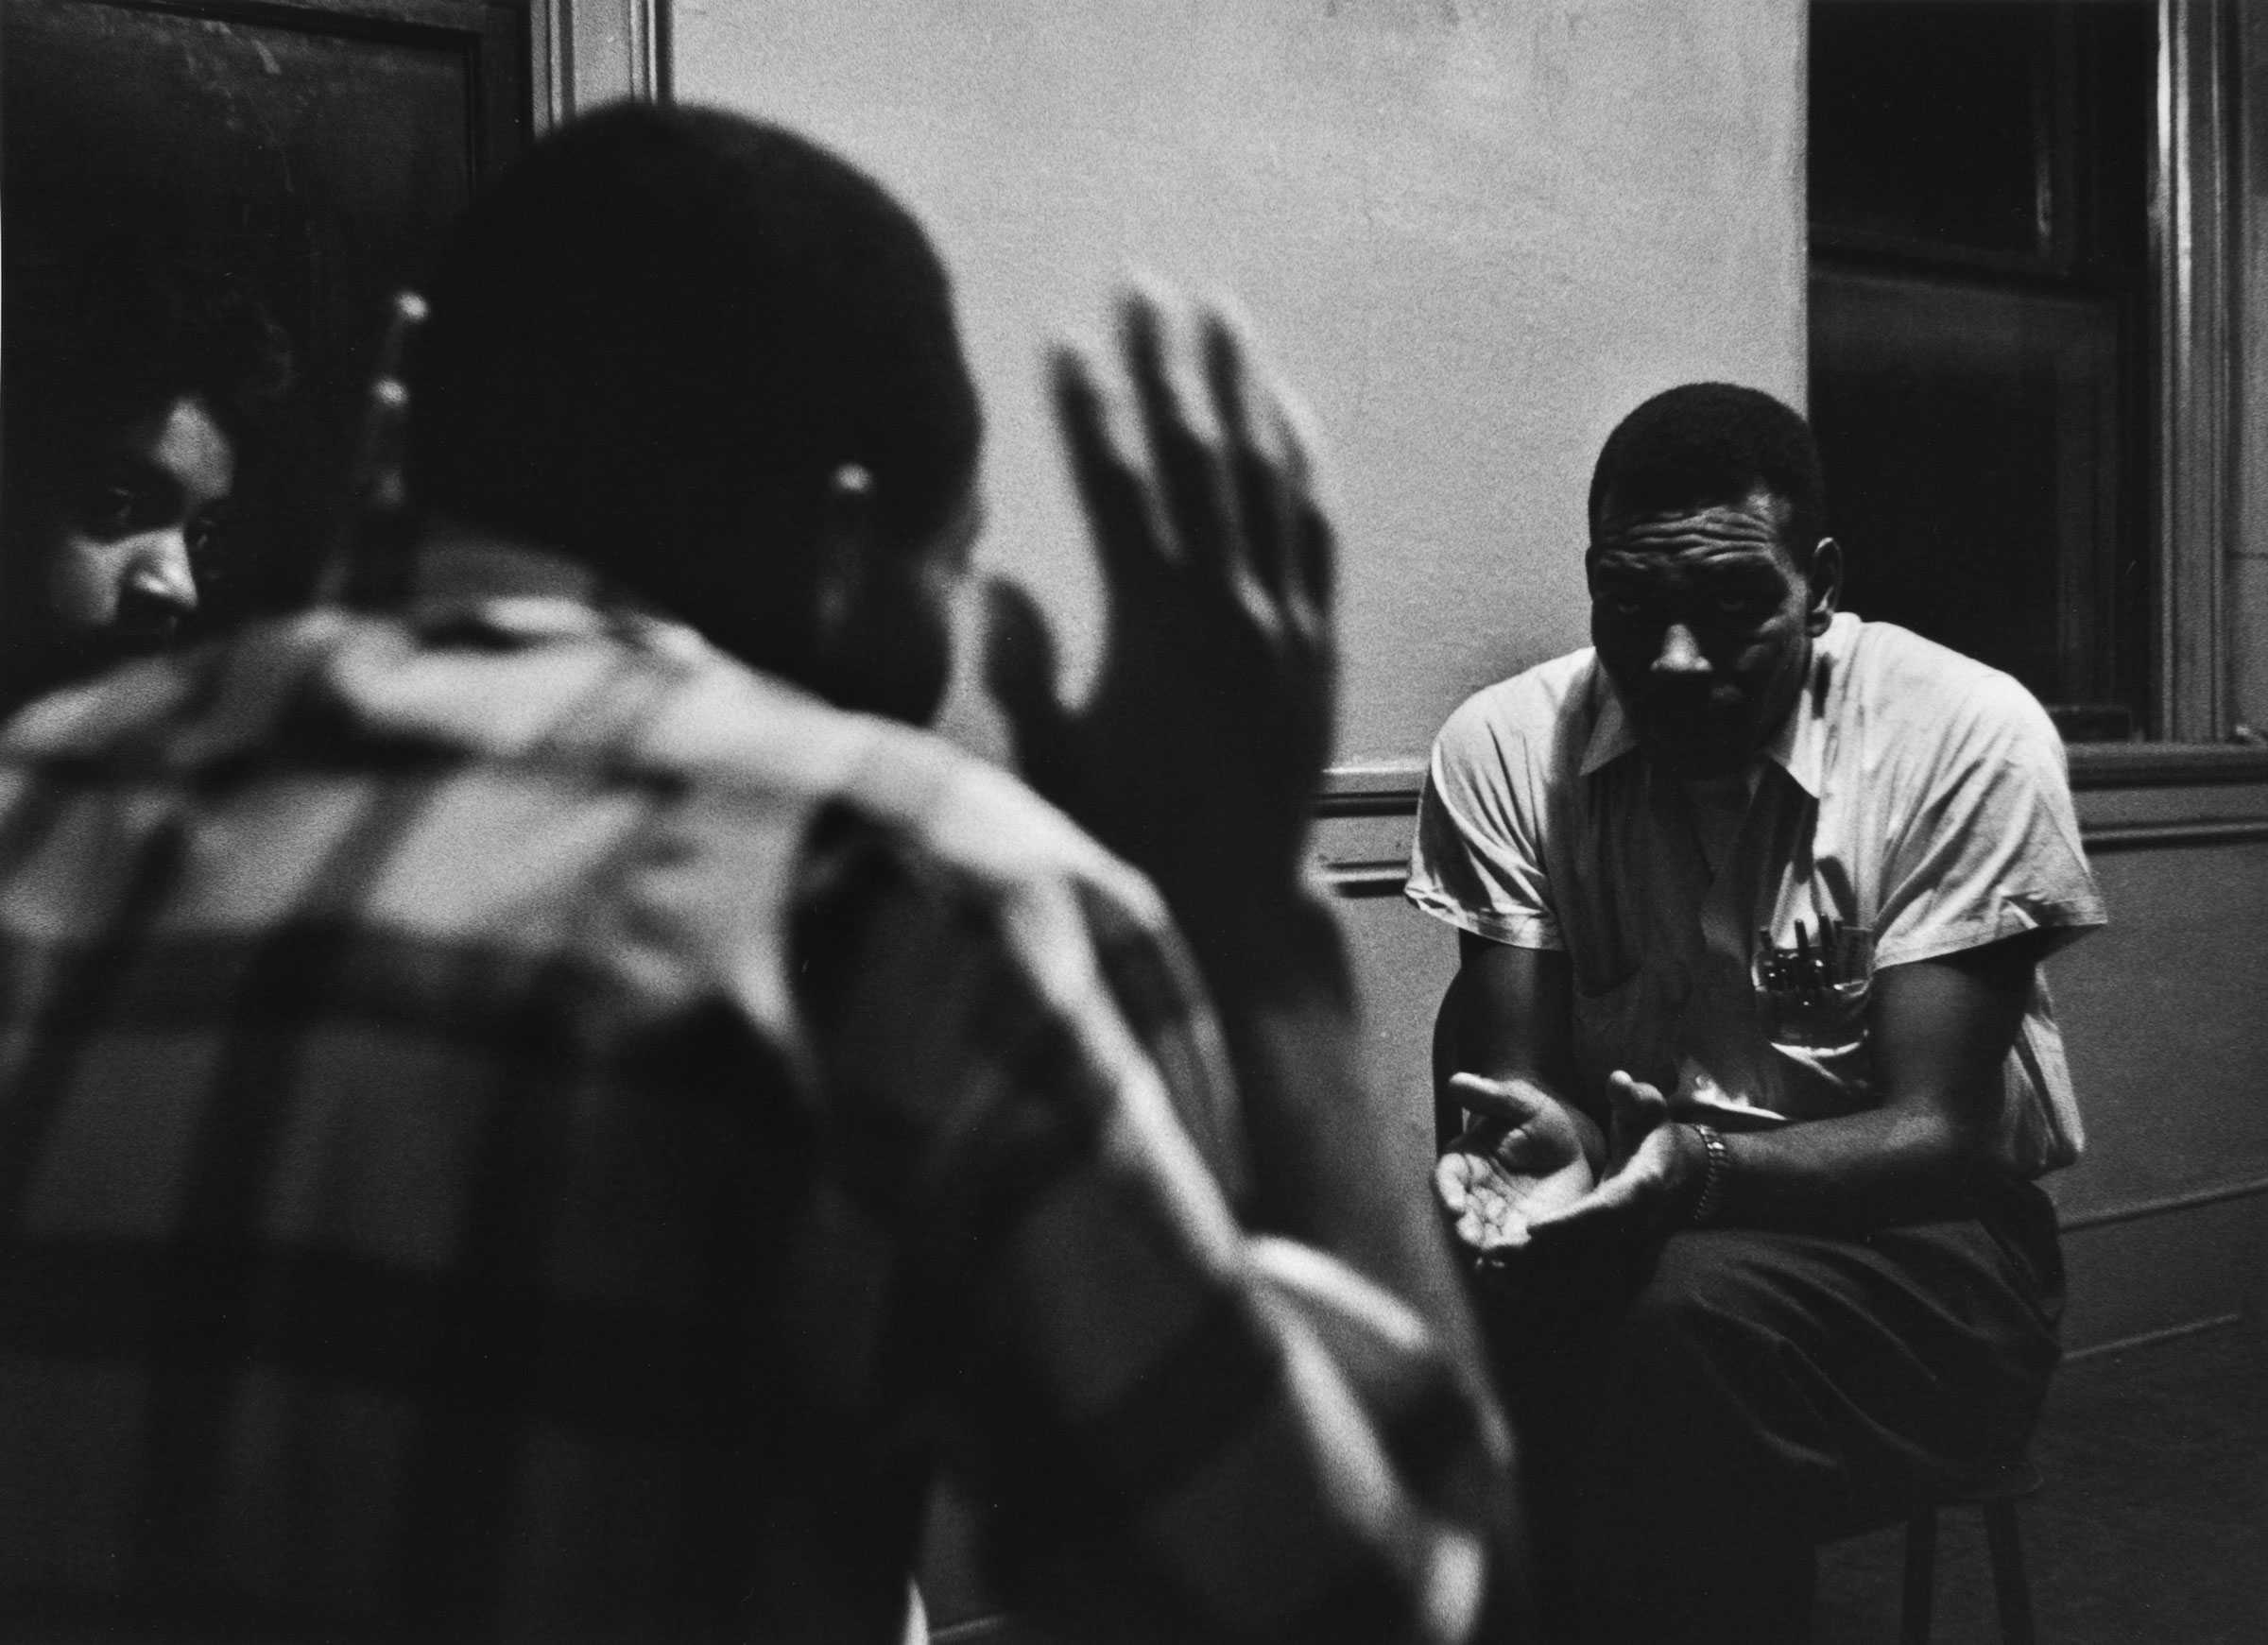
1198 755
1521 1160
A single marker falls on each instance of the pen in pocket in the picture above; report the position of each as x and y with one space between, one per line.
1814 967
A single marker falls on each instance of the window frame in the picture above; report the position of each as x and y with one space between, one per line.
2210 256
2194 470
2208 489
583 53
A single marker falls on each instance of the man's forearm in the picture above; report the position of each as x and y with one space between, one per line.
1845 1175
1328 1172
1941 1032
1481 1031
1326 1169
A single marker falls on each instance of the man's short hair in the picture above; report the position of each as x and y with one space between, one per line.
655 339
1715 442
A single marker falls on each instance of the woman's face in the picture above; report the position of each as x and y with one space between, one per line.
123 556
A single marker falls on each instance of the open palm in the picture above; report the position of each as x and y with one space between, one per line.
1521 1160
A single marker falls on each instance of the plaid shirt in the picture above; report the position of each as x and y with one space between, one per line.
512 1125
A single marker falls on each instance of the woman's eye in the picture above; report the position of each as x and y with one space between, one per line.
212 555
113 507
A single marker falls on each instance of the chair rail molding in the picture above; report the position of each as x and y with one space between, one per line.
2131 796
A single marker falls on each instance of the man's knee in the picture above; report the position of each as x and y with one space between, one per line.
1712 1399
1709 1299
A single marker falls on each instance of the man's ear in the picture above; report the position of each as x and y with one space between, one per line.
847 544
1825 577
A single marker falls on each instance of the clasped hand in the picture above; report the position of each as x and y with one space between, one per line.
1523 1176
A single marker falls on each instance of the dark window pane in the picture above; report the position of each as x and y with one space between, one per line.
1928 124
1981 331
1971 442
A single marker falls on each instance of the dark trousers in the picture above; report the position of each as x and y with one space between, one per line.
1694 1419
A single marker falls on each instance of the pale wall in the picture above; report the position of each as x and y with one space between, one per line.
1471 232
1474 233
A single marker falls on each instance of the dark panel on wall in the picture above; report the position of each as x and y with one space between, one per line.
312 150
2162 1012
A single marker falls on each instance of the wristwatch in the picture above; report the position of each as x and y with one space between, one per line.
1711 1198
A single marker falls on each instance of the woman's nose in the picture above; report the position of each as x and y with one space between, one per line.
161 581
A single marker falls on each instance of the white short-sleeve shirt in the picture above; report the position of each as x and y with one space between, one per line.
1915 804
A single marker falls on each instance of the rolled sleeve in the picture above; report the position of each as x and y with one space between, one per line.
1477 859
1993 850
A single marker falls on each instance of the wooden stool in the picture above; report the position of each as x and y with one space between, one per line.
1996 1490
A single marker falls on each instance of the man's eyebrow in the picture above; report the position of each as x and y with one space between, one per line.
1744 567
1733 572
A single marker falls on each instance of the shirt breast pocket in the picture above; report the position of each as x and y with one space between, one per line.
1813 988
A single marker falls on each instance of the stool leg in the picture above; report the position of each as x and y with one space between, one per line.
1921 1578
2010 1589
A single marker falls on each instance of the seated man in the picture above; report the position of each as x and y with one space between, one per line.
533 1113
130 389
1750 899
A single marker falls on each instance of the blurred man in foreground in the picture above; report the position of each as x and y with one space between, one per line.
548 1112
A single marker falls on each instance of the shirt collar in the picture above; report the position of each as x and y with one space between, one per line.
515 587
458 564
1611 736
1799 747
